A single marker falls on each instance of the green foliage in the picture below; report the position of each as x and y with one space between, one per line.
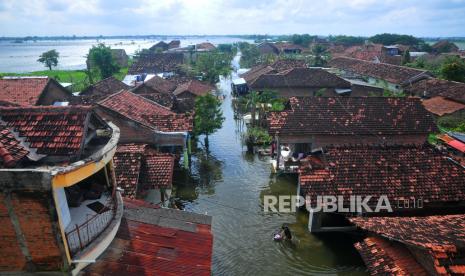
141 52
318 53
452 123
102 61
453 69
250 55
225 48
49 58
390 39
208 115
258 136
211 65
445 48
302 40
388 93
347 40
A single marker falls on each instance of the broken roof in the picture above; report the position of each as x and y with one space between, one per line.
442 238
49 130
398 172
139 168
155 63
24 91
157 241
352 116
384 257
392 73
11 150
195 87
147 112
435 87
101 90
299 78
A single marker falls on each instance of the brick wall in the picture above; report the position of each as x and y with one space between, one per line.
11 257
38 228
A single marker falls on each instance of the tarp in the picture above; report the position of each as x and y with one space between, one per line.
457 145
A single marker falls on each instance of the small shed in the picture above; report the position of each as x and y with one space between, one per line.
239 87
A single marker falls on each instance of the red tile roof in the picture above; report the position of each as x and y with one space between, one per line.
22 91
443 237
299 78
157 170
157 84
441 106
392 73
157 241
195 87
128 162
139 168
435 87
49 130
205 46
11 150
155 63
398 172
147 112
278 66
101 90
257 71
352 116
388 258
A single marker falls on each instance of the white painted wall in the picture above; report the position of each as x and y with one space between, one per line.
63 208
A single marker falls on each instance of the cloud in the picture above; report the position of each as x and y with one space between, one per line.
117 17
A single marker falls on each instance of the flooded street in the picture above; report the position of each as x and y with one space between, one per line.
229 185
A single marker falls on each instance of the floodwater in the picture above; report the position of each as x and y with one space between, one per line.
229 184
22 57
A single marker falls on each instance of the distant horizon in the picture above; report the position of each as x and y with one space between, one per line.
420 18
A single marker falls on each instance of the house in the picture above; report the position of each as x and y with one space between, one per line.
58 198
274 68
444 46
309 123
101 90
173 44
158 90
411 178
159 47
157 241
268 48
144 173
442 97
239 87
377 53
30 91
430 245
187 92
204 47
143 121
301 82
288 48
392 77
157 63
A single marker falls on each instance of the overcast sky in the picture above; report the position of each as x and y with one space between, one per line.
187 17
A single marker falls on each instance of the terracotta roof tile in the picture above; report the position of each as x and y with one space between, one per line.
435 87
139 168
49 130
171 122
392 73
150 248
398 172
157 84
101 90
441 106
299 78
442 237
352 116
388 258
195 87
156 63
22 91
11 150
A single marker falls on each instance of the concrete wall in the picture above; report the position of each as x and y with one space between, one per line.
53 93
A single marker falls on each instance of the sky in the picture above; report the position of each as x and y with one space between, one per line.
430 18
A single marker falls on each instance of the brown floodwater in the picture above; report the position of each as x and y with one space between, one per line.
229 184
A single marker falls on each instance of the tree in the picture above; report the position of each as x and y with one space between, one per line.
101 58
390 39
213 64
208 116
406 57
453 69
49 58
318 51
